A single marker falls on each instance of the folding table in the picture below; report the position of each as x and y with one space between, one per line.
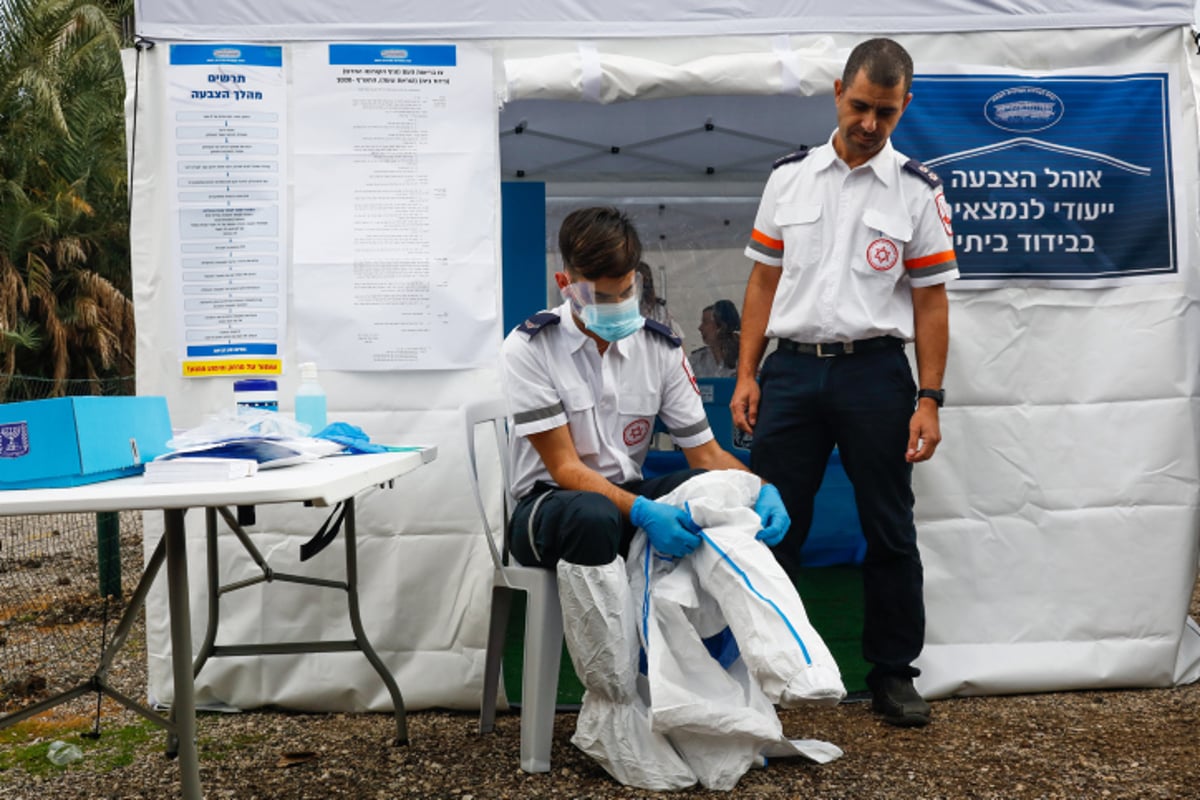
325 482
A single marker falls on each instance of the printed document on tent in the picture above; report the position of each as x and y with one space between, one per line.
1059 180
227 110
396 190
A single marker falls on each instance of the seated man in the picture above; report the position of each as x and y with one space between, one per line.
585 382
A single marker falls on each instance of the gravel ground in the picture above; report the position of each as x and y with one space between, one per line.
1113 744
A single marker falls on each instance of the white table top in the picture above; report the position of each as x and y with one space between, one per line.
323 482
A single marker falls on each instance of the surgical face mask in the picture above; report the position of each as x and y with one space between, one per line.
609 321
613 321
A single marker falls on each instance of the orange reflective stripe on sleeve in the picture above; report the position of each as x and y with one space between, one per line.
763 239
929 261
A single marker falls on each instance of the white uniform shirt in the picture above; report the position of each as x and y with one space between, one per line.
556 376
852 243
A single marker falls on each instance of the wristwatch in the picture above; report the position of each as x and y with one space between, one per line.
936 395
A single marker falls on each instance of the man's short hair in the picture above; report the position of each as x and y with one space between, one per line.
599 242
885 61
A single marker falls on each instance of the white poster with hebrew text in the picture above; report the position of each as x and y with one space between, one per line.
396 185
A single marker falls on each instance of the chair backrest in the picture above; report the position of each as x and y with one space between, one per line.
495 413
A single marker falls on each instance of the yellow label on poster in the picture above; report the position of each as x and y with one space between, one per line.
240 366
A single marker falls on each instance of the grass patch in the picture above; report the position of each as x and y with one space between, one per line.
24 746
118 747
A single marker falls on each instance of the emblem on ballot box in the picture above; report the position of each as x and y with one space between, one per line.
14 440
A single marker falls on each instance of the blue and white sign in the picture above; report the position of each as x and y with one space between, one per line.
253 55
1058 179
416 55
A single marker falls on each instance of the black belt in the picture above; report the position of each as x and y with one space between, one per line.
830 349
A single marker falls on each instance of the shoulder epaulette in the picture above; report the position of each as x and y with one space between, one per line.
534 324
796 155
923 172
654 326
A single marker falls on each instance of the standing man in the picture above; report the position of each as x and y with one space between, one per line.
852 248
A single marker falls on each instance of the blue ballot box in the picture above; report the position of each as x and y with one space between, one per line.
716 393
67 441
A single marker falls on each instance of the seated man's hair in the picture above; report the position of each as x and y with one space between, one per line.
885 61
599 243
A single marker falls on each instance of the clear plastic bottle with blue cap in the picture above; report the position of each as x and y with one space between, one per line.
310 399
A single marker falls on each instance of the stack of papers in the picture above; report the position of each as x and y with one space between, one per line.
267 452
198 468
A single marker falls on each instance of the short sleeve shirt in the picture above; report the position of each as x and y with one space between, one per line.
555 376
852 243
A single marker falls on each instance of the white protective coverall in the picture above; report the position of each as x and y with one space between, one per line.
694 716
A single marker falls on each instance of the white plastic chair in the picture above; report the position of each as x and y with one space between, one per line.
543 614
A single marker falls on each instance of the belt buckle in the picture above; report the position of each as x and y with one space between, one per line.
836 349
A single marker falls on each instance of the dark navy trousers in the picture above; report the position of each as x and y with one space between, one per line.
586 528
863 404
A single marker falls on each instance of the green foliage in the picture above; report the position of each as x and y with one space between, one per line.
65 311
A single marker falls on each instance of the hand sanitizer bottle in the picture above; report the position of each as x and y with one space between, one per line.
310 399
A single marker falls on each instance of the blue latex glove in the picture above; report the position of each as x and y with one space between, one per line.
774 516
670 529
352 437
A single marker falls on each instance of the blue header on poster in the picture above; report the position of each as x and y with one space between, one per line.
261 349
250 55
411 55
1063 178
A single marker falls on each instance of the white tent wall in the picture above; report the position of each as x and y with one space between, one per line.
291 20
424 570
1059 526
1059 519
799 63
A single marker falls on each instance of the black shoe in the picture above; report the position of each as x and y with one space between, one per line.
895 697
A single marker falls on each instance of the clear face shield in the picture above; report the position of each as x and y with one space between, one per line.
608 316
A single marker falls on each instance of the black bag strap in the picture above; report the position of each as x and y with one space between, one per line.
326 534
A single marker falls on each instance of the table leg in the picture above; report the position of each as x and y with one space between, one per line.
360 636
184 707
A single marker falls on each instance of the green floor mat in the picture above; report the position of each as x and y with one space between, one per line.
832 597
570 691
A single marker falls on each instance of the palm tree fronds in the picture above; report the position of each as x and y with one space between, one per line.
64 248
25 335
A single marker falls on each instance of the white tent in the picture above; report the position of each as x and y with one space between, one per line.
1058 522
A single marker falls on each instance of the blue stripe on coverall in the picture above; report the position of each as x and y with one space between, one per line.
746 579
738 571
